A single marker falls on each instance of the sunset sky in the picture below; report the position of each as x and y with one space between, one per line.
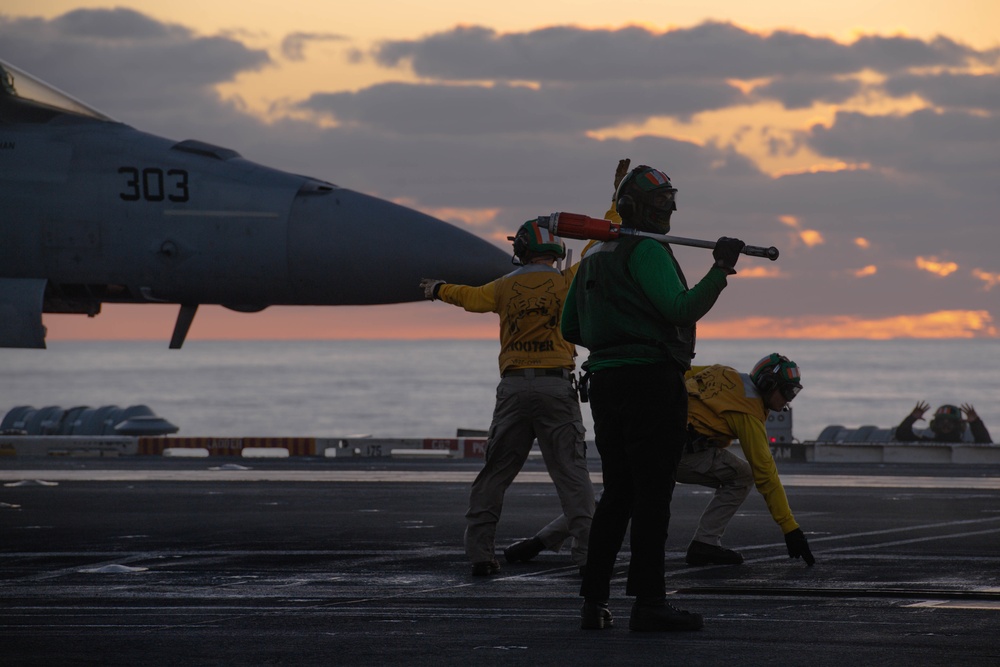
862 139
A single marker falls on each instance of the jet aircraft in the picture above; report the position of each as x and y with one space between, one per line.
93 211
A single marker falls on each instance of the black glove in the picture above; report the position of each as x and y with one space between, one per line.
727 253
798 547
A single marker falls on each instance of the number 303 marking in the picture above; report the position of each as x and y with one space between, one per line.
151 184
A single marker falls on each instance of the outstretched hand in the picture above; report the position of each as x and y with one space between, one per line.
430 286
970 412
919 410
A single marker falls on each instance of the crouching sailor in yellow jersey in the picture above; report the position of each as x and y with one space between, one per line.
536 398
724 404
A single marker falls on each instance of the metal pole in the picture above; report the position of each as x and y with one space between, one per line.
754 251
577 226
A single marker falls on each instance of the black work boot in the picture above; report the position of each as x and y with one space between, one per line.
663 618
485 568
523 551
596 616
700 553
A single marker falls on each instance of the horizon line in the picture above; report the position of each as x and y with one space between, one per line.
495 339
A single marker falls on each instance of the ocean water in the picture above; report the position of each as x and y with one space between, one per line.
432 388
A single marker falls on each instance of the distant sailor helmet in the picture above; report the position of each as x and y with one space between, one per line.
947 418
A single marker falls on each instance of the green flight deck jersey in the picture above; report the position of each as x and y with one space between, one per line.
629 304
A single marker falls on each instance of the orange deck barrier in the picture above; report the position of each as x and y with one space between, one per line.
227 446
469 448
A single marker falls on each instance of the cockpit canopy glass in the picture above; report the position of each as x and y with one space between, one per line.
17 83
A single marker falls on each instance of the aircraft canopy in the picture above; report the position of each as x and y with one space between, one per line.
18 83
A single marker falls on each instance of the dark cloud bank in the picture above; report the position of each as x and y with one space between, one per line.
500 121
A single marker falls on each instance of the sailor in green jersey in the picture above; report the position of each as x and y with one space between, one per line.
630 306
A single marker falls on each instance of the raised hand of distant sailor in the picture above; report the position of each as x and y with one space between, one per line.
621 171
919 410
970 412
798 546
430 287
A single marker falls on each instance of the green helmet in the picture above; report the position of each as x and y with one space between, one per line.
777 372
947 419
645 199
533 241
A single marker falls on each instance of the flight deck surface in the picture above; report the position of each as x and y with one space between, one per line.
351 562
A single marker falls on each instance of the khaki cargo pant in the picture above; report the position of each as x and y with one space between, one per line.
527 408
732 480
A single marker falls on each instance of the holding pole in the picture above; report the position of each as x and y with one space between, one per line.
576 226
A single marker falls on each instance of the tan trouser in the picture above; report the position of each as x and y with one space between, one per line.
732 480
527 408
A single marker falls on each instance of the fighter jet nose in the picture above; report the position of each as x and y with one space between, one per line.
347 234
193 224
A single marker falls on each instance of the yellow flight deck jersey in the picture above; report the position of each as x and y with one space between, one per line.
529 302
724 404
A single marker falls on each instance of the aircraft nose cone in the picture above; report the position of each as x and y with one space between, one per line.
344 233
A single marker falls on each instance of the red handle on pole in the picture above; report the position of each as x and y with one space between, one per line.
576 226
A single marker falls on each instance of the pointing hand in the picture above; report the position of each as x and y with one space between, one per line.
798 547
430 287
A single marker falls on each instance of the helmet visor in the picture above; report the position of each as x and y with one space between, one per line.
665 199
789 391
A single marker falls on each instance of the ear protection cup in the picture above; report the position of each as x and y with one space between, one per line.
765 374
520 244
768 383
626 206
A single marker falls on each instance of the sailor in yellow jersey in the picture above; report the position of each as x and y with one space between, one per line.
536 398
724 404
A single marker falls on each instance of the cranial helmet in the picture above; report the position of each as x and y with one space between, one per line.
947 419
645 200
777 372
532 241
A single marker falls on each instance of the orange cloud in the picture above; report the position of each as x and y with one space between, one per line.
761 272
941 324
414 321
405 321
840 166
811 237
935 266
474 217
862 242
869 270
990 279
